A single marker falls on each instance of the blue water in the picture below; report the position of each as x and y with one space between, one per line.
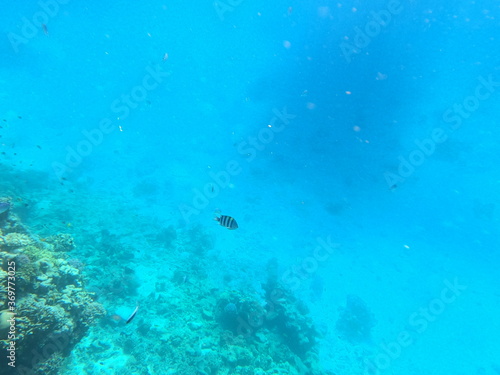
369 126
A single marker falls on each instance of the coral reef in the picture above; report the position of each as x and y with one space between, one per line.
190 327
60 242
184 334
238 313
280 327
167 236
290 317
15 240
355 322
198 240
122 282
186 324
53 310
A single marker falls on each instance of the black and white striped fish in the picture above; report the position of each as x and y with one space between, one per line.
227 222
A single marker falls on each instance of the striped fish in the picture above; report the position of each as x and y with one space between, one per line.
227 222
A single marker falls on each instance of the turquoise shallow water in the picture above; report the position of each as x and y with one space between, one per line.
354 144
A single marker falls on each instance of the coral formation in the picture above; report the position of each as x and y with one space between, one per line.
167 236
355 322
188 323
190 327
15 240
60 242
198 241
290 318
280 320
53 310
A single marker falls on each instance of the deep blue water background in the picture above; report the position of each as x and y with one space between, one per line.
324 175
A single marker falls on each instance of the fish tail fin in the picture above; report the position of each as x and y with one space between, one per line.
217 212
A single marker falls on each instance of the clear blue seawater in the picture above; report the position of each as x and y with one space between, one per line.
369 126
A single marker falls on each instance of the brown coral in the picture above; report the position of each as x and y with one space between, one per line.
53 309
